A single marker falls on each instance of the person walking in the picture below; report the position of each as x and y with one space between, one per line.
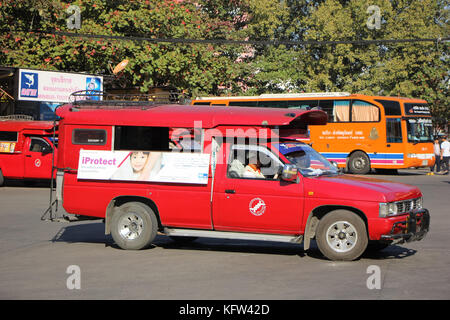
437 155
445 154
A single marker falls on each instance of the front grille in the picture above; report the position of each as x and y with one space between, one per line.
408 205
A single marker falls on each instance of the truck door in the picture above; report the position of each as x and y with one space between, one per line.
38 158
242 202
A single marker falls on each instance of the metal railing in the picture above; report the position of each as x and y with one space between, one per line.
91 99
17 117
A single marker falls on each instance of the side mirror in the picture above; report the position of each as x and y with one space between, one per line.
289 173
334 163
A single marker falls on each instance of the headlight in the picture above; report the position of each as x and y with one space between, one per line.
419 203
412 155
387 209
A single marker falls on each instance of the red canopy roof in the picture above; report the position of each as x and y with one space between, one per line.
184 116
17 125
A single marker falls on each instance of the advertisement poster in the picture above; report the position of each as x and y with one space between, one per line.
144 166
36 85
7 147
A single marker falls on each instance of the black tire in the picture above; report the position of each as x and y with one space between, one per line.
359 163
183 239
134 226
341 236
2 179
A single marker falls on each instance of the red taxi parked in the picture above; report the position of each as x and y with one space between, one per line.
241 177
26 149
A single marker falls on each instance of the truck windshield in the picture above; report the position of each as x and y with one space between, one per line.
419 130
307 160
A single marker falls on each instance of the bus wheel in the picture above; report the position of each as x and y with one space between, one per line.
134 226
359 163
341 235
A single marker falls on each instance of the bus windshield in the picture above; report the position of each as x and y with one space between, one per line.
419 130
308 161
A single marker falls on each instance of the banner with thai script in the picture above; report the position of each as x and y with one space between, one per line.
51 86
171 167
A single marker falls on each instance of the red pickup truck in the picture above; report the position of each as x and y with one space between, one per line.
26 149
241 177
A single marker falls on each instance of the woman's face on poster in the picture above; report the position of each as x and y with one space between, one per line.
138 160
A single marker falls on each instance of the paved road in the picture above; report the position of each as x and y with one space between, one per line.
35 256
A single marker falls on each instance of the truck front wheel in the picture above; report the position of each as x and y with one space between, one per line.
134 226
341 235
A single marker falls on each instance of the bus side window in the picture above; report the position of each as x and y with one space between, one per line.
302 104
391 108
243 103
337 110
272 104
364 112
393 130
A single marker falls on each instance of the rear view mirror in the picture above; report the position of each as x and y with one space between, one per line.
289 173
334 163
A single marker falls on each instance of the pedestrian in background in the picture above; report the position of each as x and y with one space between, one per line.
445 154
437 155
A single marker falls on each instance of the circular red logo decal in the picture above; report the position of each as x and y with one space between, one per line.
257 206
37 162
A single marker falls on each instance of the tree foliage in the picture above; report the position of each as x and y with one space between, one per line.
417 69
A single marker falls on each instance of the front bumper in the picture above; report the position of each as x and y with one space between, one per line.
413 228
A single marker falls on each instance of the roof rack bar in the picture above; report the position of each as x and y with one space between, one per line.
93 99
17 117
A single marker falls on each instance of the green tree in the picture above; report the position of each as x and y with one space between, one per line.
195 67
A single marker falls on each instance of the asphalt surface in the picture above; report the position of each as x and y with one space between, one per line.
36 259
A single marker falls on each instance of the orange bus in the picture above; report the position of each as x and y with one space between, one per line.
363 132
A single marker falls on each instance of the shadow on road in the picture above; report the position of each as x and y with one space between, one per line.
94 233
38 183
83 233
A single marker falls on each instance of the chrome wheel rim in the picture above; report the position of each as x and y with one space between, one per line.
342 236
131 226
359 163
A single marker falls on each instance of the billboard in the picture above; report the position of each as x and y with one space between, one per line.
151 166
50 86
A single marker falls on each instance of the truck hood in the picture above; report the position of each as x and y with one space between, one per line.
360 188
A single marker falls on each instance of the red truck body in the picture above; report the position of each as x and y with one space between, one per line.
26 149
289 204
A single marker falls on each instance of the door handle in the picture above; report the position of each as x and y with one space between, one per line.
230 191
388 145
28 155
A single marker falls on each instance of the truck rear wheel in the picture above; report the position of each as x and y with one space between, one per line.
341 235
1 178
359 163
134 226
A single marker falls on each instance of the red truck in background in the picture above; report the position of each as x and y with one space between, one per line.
26 149
242 177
